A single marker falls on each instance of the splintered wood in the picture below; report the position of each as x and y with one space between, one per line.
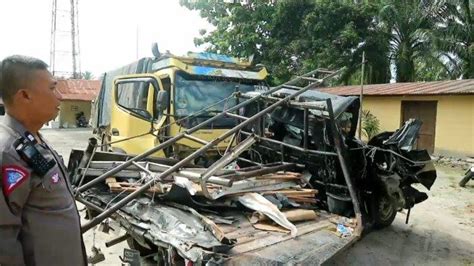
298 195
130 187
295 194
295 215
281 175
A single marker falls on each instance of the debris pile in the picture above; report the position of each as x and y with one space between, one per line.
273 201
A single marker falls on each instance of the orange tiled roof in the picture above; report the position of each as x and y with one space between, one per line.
77 89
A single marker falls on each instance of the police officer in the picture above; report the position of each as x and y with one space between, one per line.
39 221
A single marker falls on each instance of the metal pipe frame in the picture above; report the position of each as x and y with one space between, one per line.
262 171
345 170
279 153
305 127
231 142
196 139
89 204
192 156
117 240
316 152
316 105
189 174
248 161
223 161
86 160
173 140
237 117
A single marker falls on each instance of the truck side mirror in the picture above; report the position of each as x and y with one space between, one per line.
162 101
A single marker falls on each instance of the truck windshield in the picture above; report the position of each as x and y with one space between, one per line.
194 93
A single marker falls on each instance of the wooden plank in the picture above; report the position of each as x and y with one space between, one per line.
270 227
272 239
294 215
129 187
310 192
303 200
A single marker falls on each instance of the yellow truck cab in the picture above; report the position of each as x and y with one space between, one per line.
144 103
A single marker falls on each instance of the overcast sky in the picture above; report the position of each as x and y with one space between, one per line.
108 30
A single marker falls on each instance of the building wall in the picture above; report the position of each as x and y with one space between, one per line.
454 135
69 109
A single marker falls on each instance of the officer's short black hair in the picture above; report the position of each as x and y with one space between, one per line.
15 73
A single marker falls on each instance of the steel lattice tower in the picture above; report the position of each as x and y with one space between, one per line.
64 49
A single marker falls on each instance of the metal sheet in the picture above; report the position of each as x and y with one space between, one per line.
444 87
258 203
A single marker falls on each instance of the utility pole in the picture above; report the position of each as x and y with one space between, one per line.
361 93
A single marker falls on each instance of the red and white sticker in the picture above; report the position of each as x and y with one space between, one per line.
13 176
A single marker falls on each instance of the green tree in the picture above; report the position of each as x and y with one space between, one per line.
370 124
408 24
454 36
292 37
431 69
420 39
87 75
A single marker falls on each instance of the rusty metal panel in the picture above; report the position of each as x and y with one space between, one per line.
446 87
77 89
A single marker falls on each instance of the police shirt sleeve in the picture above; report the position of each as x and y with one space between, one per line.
16 187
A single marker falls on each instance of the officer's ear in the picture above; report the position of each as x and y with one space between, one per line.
23 95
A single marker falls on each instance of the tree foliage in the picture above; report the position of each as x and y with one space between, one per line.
87 75
293 37
454 36
370 124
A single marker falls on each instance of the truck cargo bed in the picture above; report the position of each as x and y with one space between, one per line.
167 226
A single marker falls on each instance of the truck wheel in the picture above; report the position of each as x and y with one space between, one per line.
465 179
385 212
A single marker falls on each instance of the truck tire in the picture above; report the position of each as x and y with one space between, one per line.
465 179
385 212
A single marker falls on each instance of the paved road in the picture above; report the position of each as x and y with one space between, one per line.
440 232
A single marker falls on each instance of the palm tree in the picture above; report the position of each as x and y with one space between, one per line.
454 36
407 24
87 75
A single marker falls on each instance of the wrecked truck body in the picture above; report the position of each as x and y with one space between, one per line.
297 186
382 170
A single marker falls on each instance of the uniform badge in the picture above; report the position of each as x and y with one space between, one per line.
55 178
13 176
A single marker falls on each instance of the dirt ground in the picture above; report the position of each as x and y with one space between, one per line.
440 230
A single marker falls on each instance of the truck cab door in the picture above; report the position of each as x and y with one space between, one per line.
136 111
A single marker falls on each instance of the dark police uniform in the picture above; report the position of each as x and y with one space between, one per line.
39 221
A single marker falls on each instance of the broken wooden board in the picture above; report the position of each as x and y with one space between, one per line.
295 215
298 195
304 192
270 227
131 187
281 175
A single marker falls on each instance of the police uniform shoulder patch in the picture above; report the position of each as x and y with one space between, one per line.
13 176
55 178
